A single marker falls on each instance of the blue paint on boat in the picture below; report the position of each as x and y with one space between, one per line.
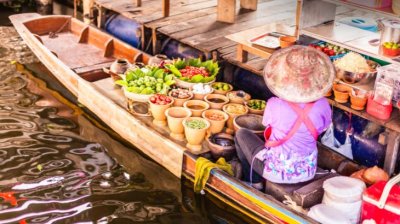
124 29
175 49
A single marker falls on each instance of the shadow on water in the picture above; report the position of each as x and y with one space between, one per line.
57 167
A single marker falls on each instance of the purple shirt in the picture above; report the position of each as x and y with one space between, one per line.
296 159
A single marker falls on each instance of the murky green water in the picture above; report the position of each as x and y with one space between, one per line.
57 167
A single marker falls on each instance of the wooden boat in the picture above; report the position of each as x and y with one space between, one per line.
76 53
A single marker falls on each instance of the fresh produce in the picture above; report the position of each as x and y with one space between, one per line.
329 49
391 49
391 45
160 99
193 70
353 62
201 88
195 124
221 86
180 93
235 109
256 104
146 80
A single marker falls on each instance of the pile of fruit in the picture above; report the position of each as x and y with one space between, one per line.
160 99
329 49
193 70
147 80
391 48
221 86
256 104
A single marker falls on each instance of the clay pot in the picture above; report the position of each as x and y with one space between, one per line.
329 93
158 112
341 93
178 102
157 59
195 137
254 111
287 41
119 66
221 145
239 96
175 116
216 126
358 102
200 96
232 116
252 122
222 92
196 106
216 105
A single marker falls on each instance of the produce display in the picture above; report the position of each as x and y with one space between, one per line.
353 62
193 70
146 80
256 104
215 116
221 86
160 99
195 124
329 49
201 88
235 109
180 93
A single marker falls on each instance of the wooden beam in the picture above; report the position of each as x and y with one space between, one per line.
249 4
83 36
38 37
298 17
108 48
242 55
138 57
226 10
165 8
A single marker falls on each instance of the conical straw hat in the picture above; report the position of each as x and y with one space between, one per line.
299 74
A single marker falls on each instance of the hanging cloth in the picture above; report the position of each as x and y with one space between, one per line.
203 169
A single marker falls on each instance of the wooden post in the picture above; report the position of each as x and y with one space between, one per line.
165 8
248 4
138 3
87 6
226 10
298 17
392 150
242 55
101 19
44 7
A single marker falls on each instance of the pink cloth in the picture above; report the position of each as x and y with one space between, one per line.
296 159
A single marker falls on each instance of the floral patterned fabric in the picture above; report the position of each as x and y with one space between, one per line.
295 160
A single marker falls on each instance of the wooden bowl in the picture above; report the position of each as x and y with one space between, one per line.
222 92
192 104
221 145
252 122
216 105
287 41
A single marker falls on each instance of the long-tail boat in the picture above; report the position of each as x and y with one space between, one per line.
76 53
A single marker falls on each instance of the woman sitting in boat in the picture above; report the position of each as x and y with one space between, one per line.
300 76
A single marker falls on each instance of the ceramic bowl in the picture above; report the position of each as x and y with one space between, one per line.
239 96
252 122
221 145
211 99
196 106
222 92
216 126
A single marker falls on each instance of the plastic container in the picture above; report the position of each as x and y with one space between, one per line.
378 110
344 189
351 209
373 3
328 215
381 202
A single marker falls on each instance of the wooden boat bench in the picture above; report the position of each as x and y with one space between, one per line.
304 194
226 9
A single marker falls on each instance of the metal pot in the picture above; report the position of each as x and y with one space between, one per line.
390 30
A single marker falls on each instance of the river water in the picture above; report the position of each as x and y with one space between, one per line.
57 166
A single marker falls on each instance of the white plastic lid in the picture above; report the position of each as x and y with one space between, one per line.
343 187
328 215
351 209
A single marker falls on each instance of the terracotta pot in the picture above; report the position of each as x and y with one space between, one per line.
200 96
175 116
252 122
232 116
221 145
287 41
358 102
216 105
254 111
222 92
192 104
157 59
195 137
329 93
239 97
216 126
119 66
341 93
178 102
158 112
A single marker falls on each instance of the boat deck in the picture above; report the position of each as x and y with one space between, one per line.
194 22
